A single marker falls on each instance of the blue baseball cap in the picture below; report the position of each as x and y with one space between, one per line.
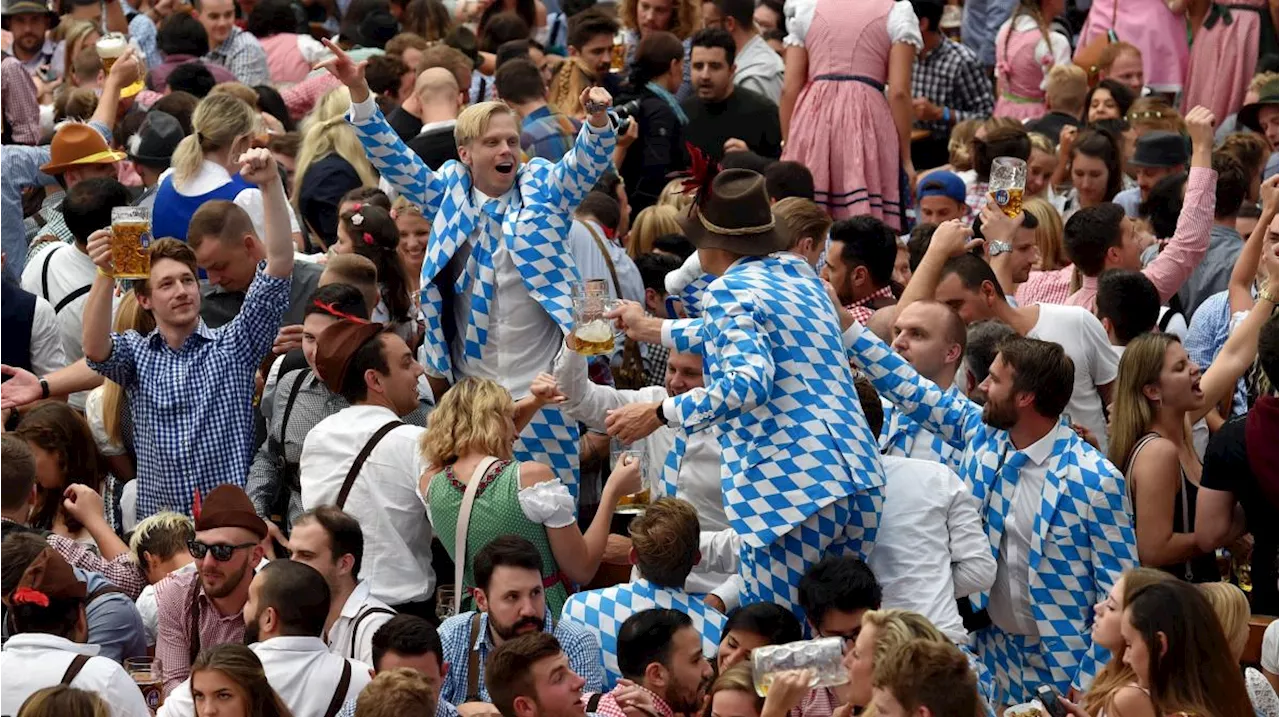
942 184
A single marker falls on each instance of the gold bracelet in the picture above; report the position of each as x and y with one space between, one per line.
1268 295
104 273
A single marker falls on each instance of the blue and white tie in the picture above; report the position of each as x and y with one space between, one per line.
671 466
999 503
486 278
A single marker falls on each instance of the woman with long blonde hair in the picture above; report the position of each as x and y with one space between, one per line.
228 680
75 36
1159 393
1053 254
331 162
471 436
206 167
1115 690
651 223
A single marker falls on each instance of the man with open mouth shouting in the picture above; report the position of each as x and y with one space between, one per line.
498 275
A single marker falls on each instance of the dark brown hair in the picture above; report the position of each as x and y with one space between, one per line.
508 671
168 248
55 427
665 538
1042 368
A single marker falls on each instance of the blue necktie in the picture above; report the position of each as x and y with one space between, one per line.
486 278
671 466
1001 500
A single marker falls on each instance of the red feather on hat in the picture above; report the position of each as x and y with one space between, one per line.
702 170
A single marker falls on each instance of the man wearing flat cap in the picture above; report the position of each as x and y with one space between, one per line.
1156 156
800 467
45 605
366 461
200 609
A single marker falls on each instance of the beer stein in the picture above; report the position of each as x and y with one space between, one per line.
1008 179
593 333
131 242
822 657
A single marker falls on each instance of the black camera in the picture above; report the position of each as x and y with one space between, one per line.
624 115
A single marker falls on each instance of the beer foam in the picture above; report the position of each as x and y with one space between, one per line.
112 45
595 332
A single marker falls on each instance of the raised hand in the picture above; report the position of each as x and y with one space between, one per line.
597 101
99 248
1271 195
1200 126
998 226
258 167
952 238
127 69
348 71
546 390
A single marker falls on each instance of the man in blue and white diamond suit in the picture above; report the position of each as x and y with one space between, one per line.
800 468
498 276
1055 510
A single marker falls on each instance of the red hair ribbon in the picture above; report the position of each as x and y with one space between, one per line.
337 313
368 238
29 596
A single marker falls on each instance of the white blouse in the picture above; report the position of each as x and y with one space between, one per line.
902 23
1058 47
548 504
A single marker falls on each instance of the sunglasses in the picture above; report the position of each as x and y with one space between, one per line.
221 553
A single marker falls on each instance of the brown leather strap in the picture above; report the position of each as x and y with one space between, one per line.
74 669
193 628
473 661
361 458
107 589
340 694
630 374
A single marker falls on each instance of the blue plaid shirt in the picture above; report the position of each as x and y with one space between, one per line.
1207 333
543 134
193 407
579 646
242 54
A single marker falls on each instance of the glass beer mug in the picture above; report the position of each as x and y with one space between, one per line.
131 242
633 503
1008 180
145 672
822 657
593 333
110 48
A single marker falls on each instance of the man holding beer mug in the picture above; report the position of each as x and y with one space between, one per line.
190 387
497 248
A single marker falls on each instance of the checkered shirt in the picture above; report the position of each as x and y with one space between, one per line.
950 76
443 709
902 436
609 707
193 408
534 225
1045 287
242 54
579 645
1082 538
173 621
122 571
602 612
21 107
861 309
656 357
779 395
1207 334
54 224
142 30
544 134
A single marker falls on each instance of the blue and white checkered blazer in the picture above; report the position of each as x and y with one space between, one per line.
534 227
780 396
1083 537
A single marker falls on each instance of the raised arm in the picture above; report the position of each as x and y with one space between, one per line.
1171 268
581 167
389 154
952 238
97 339
259 167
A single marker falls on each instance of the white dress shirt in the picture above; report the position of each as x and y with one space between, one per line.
698 478
1010 606
384 497
33 661
300 669
47 354
523 339
339 636
931 547
591 263
1084 340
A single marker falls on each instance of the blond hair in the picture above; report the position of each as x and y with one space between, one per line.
960 145
242 92
129 316
162 535
685 15
472 417
395 693
1132 413
665 538
895 628
1153 114
649 224
219 120
1053 254
1232 608
673 195
1261 80
802 218
1066 87
71 33
324 132
474 121
738 678
64 701
1116 674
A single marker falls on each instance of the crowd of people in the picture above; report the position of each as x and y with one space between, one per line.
343 444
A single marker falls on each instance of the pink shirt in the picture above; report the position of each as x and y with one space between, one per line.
1173 266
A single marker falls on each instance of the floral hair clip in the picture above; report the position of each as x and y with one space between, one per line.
357 219
29 596
368 238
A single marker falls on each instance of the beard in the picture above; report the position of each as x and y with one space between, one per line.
1001 415
523 626
251 632
229 583
690 702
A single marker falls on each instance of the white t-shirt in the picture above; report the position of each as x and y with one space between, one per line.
1082 337
69 270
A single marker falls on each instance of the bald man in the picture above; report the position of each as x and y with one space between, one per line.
439 102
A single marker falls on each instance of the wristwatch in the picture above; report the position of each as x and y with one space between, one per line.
662 417
995 248
44 388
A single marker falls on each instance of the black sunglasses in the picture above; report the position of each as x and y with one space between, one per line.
221 553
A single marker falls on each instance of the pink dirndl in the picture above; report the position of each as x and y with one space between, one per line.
1224 57
1019 73
842 128
1150 26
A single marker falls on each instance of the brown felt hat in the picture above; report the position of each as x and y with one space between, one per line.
227 506
735 217
337 344
48 577
76 145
